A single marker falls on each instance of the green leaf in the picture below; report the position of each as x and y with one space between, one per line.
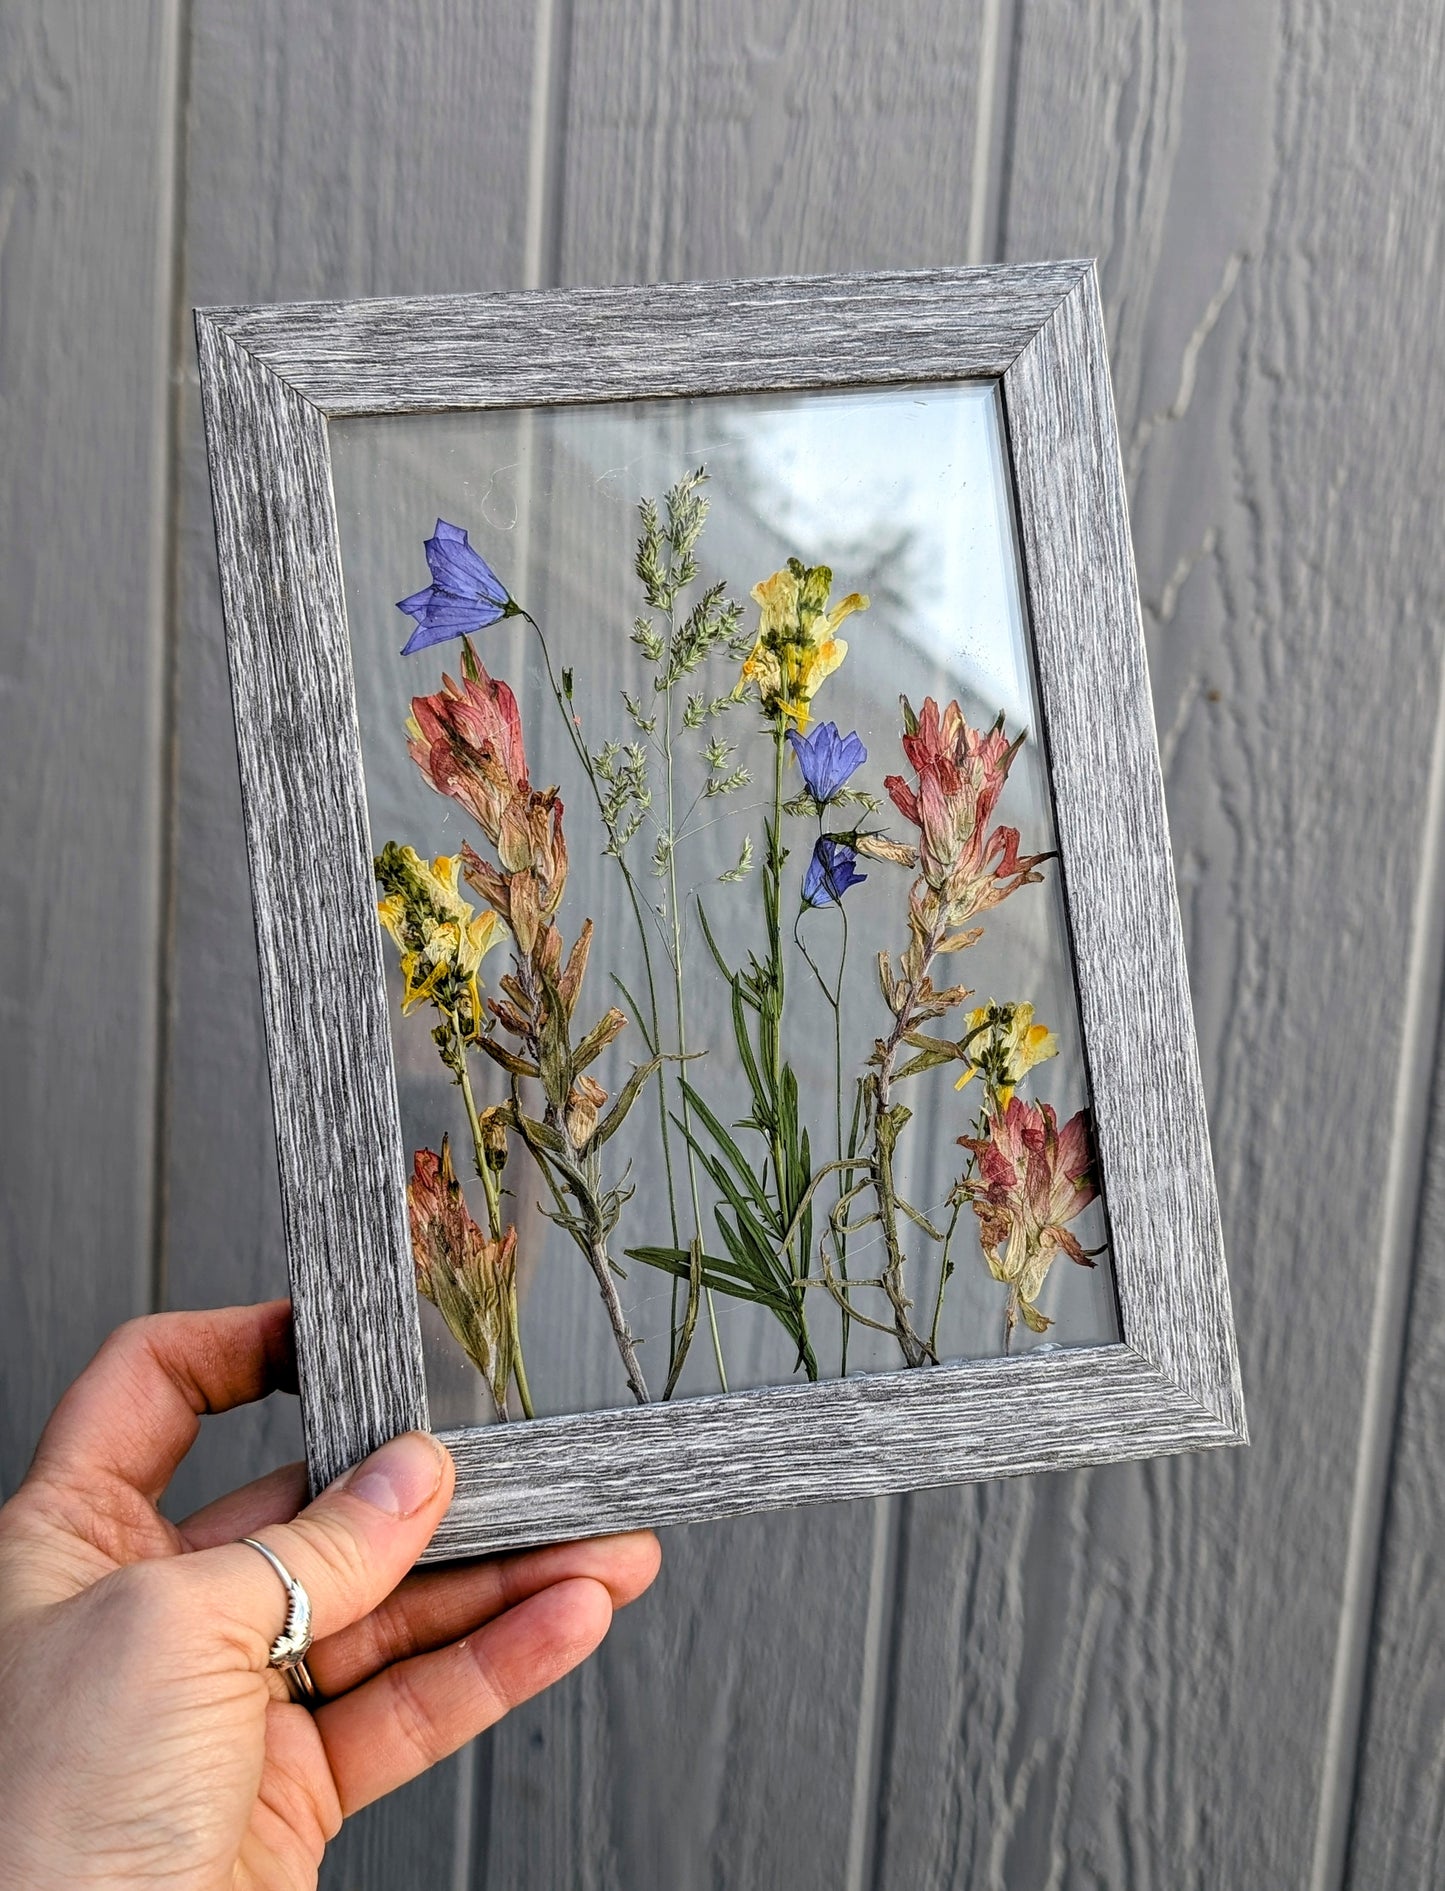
626 1097
925 1060
637 1017
745 1053
509 1060
715 1274
712 944
747 1174
723 1182
755 1248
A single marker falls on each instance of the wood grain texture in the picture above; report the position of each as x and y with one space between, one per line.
694 338
1398 1835
789 1445
333 150
1149 1124
87 105
323 990
1126 1677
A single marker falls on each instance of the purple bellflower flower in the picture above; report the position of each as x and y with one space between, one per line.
831 871
465 594
827 759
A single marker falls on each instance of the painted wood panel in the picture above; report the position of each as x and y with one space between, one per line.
1141 1676
87 124
333 150
1144 1676
1397 1816
724 1735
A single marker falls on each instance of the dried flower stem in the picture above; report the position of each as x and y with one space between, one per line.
945 1270
493 1191
834 996
685 1337
772 1024
887 1125
553 1148
680 1338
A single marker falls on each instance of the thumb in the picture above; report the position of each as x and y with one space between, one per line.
348 1550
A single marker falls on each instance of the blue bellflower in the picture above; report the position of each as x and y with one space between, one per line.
831 871
827 759
465 594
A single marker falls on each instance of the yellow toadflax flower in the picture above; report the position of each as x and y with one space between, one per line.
442 939
1007 1046
796 649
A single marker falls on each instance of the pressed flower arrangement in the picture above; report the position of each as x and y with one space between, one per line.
723 981
797 1209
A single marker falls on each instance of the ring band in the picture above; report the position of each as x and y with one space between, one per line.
289 1650
302 1688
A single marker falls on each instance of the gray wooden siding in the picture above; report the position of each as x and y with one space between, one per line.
1217 1672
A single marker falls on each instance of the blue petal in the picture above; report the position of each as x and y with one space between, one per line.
440 616
458 568
416 604
827 759
831 871
423 637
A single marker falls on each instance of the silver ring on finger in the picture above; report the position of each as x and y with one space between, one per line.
290 1648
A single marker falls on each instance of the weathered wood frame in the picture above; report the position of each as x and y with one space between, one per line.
271 379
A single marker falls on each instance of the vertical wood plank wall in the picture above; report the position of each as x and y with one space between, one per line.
1199 1673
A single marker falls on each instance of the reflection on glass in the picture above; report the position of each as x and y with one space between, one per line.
735 1031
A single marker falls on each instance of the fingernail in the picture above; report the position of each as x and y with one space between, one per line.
401 1477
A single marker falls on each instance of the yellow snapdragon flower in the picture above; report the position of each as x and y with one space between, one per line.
796 649
1010 1050
441 937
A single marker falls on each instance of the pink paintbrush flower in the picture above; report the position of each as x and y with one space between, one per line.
961 774
470 1279
467 741
1033 1178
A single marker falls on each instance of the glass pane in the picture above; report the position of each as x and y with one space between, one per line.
674 741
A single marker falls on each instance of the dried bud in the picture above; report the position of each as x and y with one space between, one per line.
879 847
583 1103
494 1138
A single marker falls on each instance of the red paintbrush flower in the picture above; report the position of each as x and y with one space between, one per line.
1033 1178
467 741
470 1279
961 774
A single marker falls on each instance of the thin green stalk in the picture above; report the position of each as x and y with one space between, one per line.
944 1271
489 1182
677 986
835 1001
635 900
519 1368
493 1191
775 1023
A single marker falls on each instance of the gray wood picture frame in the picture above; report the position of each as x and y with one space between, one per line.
271 380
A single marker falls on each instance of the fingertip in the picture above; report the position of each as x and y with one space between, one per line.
411 1473
632 1566
567 1622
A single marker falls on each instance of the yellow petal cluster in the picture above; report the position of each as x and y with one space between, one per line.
440 935
1010 1050
796 648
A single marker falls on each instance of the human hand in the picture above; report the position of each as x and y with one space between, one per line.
145 1740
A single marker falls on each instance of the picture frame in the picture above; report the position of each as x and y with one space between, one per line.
274 382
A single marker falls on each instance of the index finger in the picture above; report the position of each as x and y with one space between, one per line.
134 1412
